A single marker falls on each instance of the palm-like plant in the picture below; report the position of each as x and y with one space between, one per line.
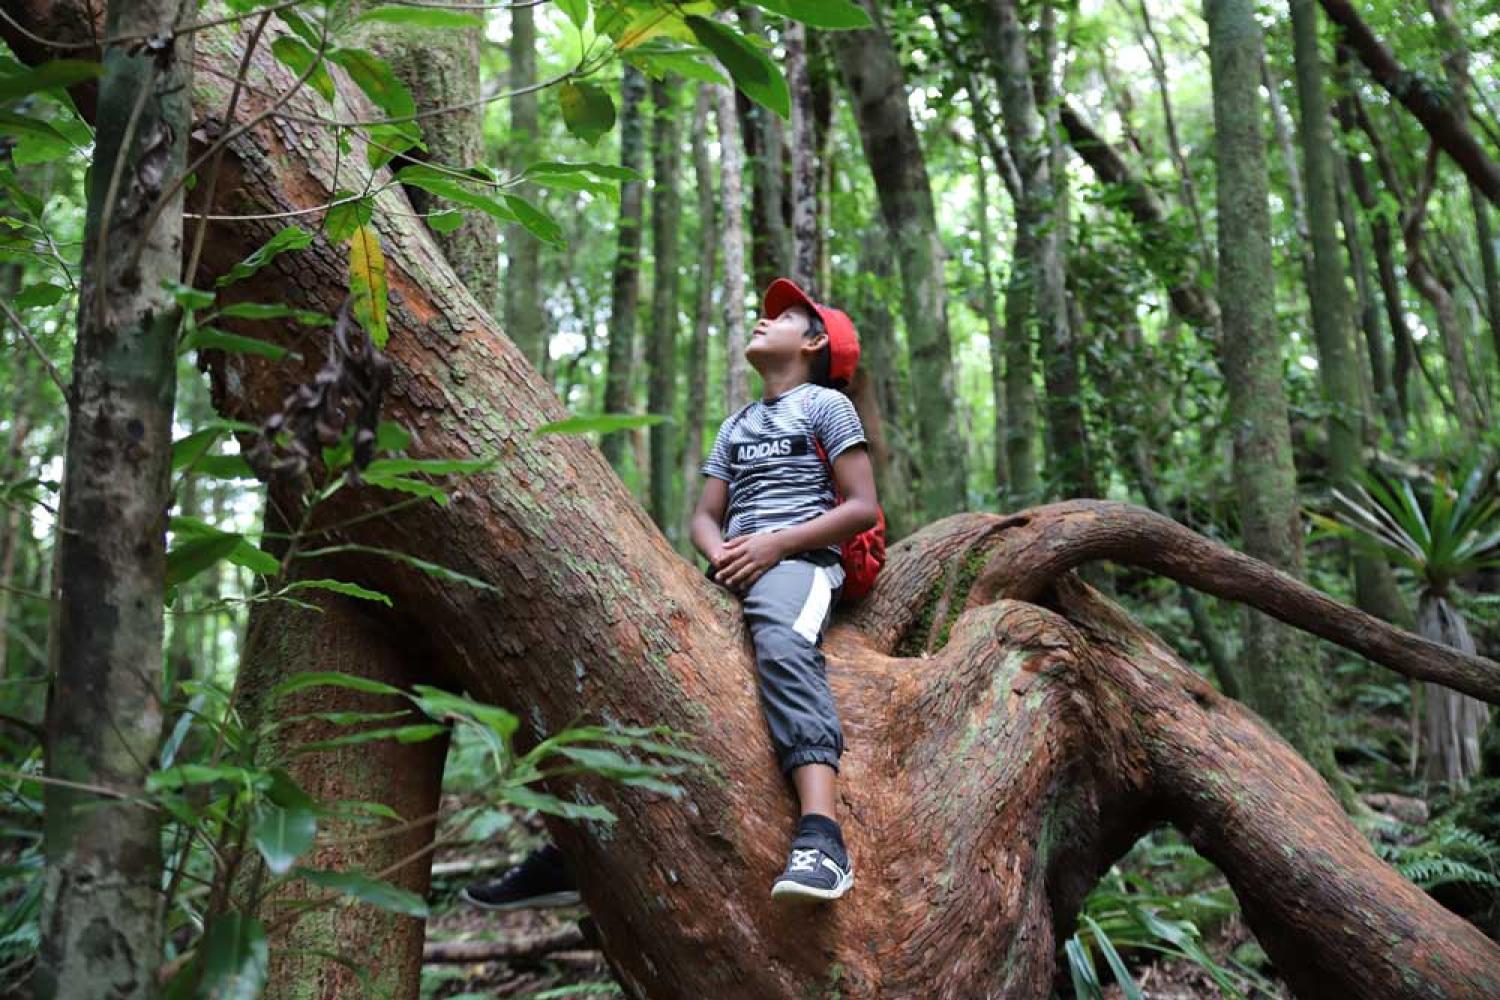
1453 533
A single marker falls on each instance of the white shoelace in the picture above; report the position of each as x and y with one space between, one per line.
804 859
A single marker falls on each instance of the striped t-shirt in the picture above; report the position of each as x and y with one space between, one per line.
766 454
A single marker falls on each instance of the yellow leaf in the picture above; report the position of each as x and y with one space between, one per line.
367 283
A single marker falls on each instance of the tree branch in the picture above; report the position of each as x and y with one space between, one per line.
1438 117
1042 543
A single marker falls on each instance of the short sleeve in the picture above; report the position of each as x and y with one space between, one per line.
836 423
717 463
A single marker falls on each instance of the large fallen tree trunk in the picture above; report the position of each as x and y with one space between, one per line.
1011 732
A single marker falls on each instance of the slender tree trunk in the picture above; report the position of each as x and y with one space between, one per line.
524 321
872 72
11 524
765 149
804 259
994 333
101 916
1284 684
1489 260
708 252
1370 316
1333 327
625 288
895 473
731 180
666 208
1453 722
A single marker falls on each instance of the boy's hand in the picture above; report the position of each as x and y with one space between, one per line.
746 558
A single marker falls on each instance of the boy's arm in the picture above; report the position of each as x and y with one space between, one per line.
747 557
706 528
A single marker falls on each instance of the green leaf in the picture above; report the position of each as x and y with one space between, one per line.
443 185
587 110
527 798
604 423
440 704
445 221
48 76
287 793
291 238
208 338
331 678
752 70
274 310
282 835
1116 964
183 775
190 299
415 733
234 957
195 555
390 140
391 436
347 216
368 890
431 466
367 282
339 587
300 26
224 467
577 11
419 17
833 14
686 62
302 59
373 75
430 568
187 450
45 294
537 223
415 487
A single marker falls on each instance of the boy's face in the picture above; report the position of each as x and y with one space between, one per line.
783 338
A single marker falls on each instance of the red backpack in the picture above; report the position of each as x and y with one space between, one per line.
864 554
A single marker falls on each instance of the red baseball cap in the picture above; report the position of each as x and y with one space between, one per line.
843 342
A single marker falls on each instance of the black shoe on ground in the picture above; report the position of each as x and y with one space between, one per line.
541 879
814 871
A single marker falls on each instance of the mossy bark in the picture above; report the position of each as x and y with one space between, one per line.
871 70
101 913
1283 683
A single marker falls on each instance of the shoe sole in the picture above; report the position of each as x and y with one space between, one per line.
547 901
787 889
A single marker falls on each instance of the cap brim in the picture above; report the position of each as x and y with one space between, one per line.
782 294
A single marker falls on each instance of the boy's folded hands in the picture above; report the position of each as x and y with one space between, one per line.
745 558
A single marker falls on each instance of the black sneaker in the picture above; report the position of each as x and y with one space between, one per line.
814 872
541 879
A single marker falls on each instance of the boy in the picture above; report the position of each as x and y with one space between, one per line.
770 525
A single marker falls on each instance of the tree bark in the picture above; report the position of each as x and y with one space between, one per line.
895 472
1437 114
708 250
661 359
804 148
994 333
1453 722
765 151
625 287
523 253
1283 684
1075 730
101 919
1333 326
732 182
871 71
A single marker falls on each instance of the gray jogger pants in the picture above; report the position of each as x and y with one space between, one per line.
787 610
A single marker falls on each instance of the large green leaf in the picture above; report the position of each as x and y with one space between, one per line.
192 556
208 338
291 238
283 834
537 222
603 423
431 466
446 186
339 587
752 70
331 678
587 109
301 59
275 310
369 890
419 17
234 957
373 75
47 76
527 798
833 14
